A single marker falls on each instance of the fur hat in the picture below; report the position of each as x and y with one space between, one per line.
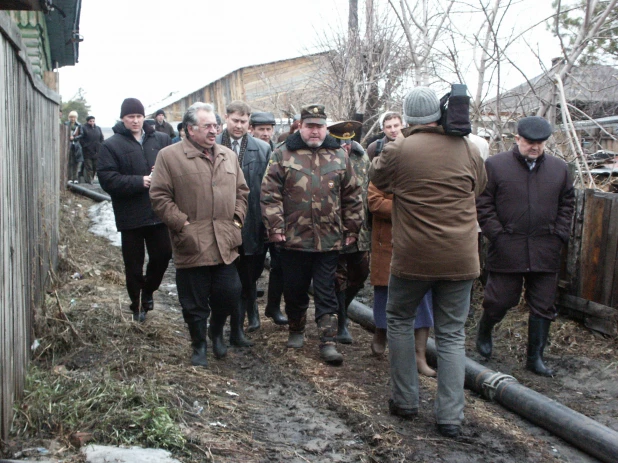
421 106
73 113
160 111
534 128
131 106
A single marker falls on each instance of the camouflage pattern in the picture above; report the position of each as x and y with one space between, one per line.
360 162
311 196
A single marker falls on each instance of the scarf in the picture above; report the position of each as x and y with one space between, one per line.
226 141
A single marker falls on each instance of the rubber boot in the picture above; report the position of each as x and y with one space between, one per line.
327 327
274 312
420 346
237 321
147 301
217 322
253 316
343 335
484 343
275 292
296 333
198 342
538 332
378 344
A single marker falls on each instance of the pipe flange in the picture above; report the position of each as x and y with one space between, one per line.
490 385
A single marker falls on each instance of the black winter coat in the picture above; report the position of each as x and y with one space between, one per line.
526 214
121 168
91 139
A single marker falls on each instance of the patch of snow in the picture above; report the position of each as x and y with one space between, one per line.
103 222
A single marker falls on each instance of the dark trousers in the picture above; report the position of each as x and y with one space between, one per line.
157 241
301 268
206 288
90 169
249 270
352 270
503 291
275 278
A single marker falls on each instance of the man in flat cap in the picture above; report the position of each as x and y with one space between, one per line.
312 208
262 126
353 265
161 125
124 168
253 156
526 213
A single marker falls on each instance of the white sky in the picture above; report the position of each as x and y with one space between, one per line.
147 49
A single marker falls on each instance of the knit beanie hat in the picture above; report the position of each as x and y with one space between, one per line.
160 111
421 106
131 106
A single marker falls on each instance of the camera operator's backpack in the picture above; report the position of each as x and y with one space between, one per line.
455 107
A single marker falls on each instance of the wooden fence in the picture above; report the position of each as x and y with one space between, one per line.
589 280
29 206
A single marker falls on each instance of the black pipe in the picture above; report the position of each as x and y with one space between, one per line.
82 190
575 428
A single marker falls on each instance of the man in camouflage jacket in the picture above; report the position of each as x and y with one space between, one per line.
353 265
312 208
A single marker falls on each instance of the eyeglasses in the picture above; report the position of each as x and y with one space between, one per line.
208 126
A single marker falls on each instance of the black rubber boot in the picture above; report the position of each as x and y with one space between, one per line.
343 335
147 301
253 315
198 342
217 322
275 292
274 312
484 343
327 327
538 332
237 321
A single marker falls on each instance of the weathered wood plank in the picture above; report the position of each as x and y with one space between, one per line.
595 316
592 239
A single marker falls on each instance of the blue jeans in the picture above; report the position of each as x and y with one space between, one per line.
451 302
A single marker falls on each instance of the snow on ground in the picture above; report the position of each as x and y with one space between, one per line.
103 222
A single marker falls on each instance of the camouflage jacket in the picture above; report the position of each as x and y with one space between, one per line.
360 163
311 196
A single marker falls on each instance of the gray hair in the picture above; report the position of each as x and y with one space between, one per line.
190 117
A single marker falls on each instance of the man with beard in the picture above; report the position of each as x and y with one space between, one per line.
91 139
161 125
199 191
125 172
525 212
253 155
312 207
353 265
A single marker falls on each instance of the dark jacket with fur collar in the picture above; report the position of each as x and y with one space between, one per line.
123 162
311 195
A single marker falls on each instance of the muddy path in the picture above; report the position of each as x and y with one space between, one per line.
270 404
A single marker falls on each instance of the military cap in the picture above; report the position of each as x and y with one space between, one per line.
262 119
344 130
313 113
534 128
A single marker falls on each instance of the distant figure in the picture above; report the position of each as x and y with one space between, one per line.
181 133
525 212
219 124
161 125
91 139
253 156
125 169
262 126
76 156
199 191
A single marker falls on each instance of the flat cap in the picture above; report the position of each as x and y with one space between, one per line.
534 128
262 119
313 113
344 130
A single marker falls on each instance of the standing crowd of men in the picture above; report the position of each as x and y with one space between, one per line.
219 199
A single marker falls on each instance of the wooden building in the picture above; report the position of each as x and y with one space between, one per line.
280 87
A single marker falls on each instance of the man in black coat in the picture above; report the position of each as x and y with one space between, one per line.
91 139
525 212
125 168
161 125
253 156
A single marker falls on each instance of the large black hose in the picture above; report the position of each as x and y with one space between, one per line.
82 190
575 428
